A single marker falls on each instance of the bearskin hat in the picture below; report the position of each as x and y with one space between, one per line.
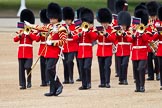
43 16
124 18
54 11
78 11
143 15
141 6
152 8
27 15
120 5
87 15
104 15
68 13
160 13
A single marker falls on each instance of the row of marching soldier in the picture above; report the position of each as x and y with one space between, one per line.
70 40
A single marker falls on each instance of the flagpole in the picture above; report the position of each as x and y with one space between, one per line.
22 6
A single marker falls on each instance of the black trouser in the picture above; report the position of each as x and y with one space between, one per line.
160 66
122 67
139 72
151 69
77 61
85 68
104 67
51 69
24 64
68 66
44 74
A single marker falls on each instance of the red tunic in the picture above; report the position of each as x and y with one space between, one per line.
85 43
58 37
158 37
42 47
123 45
139 46
25 49
71 45
105 43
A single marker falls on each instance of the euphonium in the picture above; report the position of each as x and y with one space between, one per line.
141 28
85 26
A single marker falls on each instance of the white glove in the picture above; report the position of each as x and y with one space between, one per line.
55 29
28 24
49 42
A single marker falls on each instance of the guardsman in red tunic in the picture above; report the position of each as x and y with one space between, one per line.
76 54
70 47
120 5
25 50
139 50
85 38
55 40
152 8
142 6
158 36
41 37
105 39
123 46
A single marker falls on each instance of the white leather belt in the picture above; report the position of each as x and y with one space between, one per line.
42 42
85 44
69 39
25 45
103 43
124 43
139 47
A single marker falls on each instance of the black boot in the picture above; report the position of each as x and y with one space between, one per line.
157 76
49 94
107 85
121 82
161 88
125 82
101 85
22 87
142 89
29 85
150 78
58 90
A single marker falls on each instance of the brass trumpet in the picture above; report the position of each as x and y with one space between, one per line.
27 30
119 32
140 28
85 26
